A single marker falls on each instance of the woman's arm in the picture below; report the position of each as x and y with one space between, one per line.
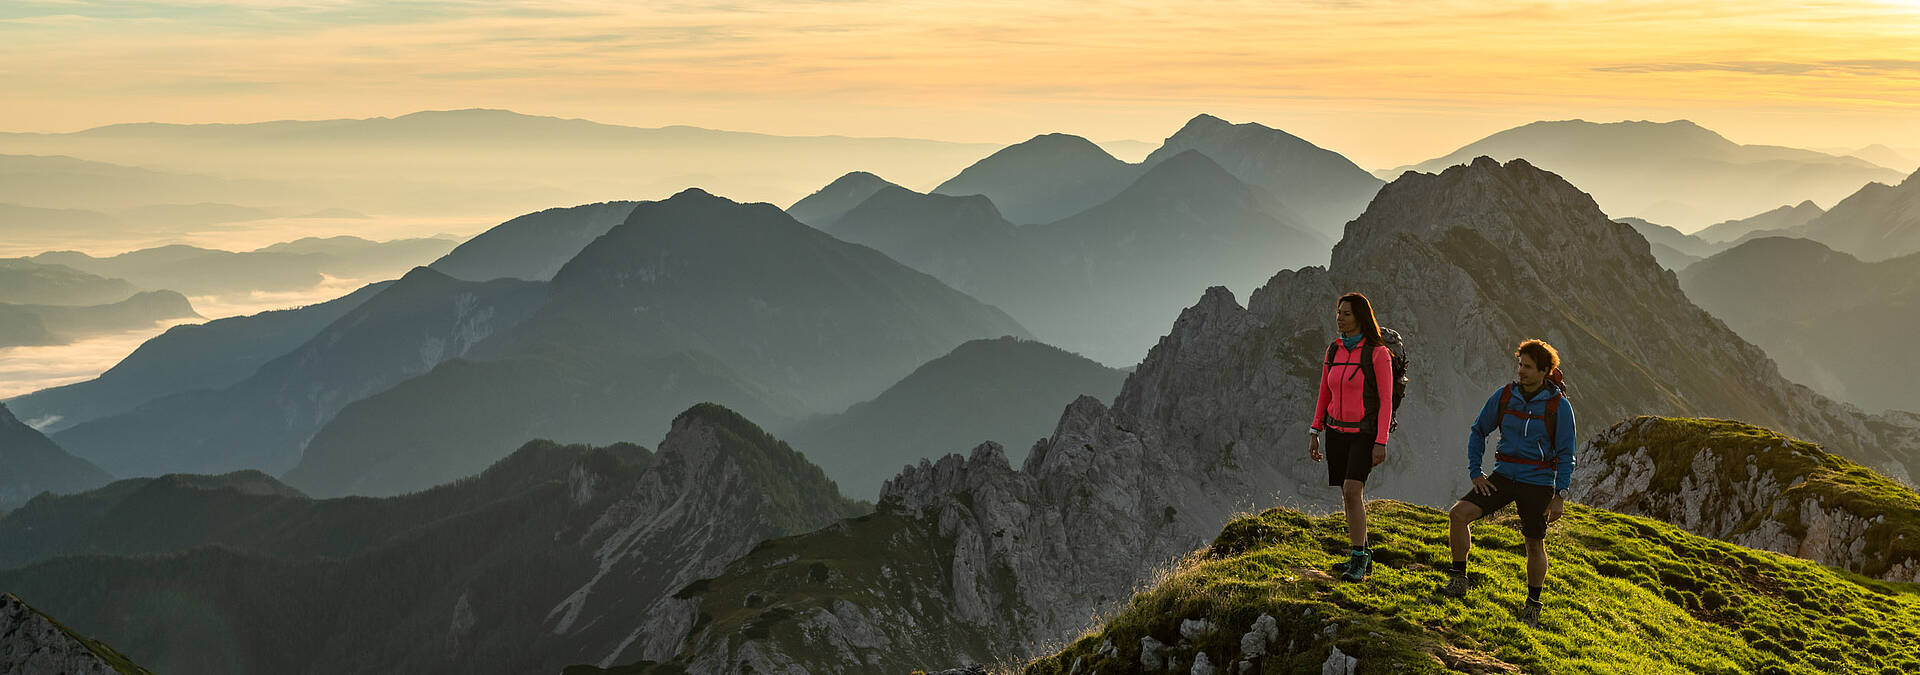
1383 383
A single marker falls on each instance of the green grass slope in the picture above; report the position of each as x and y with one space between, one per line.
1624 595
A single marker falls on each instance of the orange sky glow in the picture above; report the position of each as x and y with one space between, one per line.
1386 83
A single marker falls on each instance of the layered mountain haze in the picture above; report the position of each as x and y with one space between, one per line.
24 282
476 162
692 298
554 554
86 187
1673 250
1004 390
1875 223
1044 179
1832 322
263 421
533 246
1783 219
60 324
34 464
829 203
1464 263
1676 173
186 358
1105 281
1318 188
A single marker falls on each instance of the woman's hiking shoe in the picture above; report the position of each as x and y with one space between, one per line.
1456 586
1358 565
1530 614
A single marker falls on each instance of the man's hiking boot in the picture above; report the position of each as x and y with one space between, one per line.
1358 566
1530 614
1456 586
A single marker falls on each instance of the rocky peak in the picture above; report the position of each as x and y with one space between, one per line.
32 643
1757 488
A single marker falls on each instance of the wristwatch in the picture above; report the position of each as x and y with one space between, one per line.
1561 493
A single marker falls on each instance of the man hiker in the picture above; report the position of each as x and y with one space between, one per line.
1533 466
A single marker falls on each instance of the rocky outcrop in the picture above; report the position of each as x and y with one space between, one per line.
1756 488
32 643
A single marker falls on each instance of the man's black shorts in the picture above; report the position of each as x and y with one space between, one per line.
1349 457
1531 499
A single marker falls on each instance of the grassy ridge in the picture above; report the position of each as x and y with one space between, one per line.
1624 595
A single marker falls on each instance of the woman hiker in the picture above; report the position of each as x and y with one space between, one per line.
1354 410
1532 466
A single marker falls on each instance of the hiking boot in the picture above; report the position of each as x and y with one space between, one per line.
1358 566
1530 614
1456 586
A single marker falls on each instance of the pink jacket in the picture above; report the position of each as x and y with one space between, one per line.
1340 405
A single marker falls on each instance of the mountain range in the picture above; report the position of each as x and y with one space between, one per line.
292 265
1105 281
692 298
551 554
1828 319
1675 173
1465 263
26 325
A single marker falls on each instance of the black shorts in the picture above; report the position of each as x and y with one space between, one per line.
1531 499
1349 457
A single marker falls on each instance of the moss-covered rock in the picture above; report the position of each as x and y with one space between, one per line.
1624 595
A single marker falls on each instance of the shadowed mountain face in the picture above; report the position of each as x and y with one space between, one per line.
262 422
192 357
553 555
35 465
1465 263
1675 173
1044 179
1876 223
692 298
1106 281
533 246
1005 390
829 203
1673 250
1832 322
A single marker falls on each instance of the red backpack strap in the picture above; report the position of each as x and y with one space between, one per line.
1506 396
1552 419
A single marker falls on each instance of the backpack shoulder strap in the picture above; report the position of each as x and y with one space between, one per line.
1331 346
1553 422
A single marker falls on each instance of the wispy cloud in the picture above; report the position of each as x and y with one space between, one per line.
1853 66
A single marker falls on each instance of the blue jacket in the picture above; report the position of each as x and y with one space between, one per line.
1527 438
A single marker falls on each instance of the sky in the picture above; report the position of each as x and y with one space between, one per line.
1385 82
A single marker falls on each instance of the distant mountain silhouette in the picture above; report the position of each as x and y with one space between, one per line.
533 246
692 298
186 358
1044 179
52 181
23 282
1676 173
1795 297
1005 389
1785 218
829 203
462 162
1318 187
1105 281
262 422
357 258
1876 223
34 464
1673 250
22 325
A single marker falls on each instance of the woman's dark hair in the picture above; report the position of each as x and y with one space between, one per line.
1543 355
1363 315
